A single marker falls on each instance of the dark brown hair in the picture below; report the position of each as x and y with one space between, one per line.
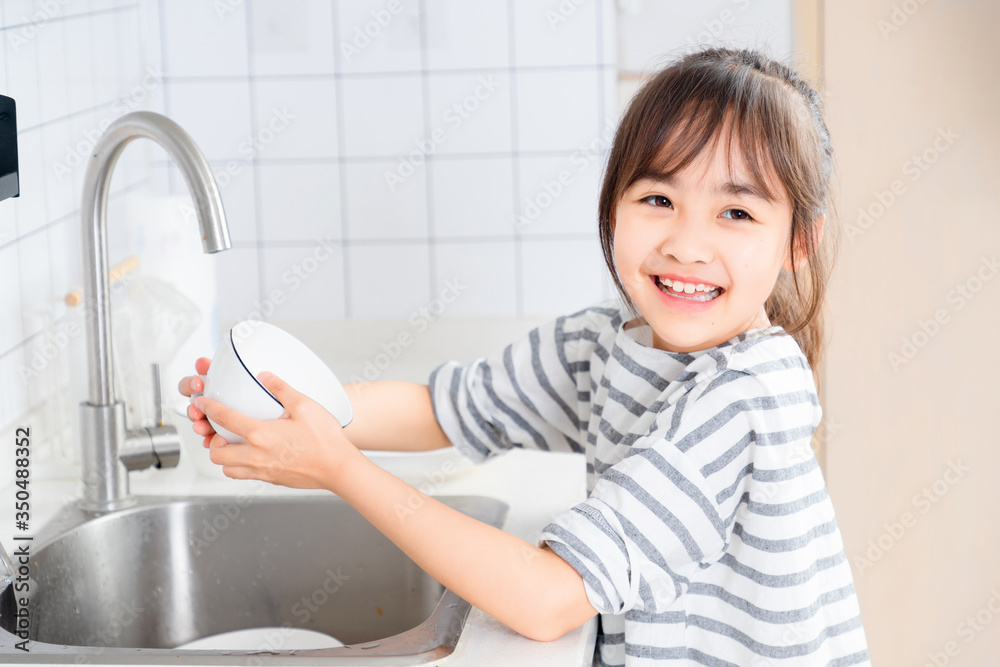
742 97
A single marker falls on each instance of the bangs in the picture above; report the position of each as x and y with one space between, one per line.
699 134
679 119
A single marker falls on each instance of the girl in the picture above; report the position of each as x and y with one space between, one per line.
708 536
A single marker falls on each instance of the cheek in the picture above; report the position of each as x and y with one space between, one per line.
759 262
630 251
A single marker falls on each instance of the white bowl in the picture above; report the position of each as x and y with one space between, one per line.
252 347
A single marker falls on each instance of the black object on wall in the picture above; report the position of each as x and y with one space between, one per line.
8 149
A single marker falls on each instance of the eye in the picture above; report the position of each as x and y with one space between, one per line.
737 214
658 201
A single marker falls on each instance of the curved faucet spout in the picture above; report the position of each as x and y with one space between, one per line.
208 205
103 431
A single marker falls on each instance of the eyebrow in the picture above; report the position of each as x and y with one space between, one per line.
735 189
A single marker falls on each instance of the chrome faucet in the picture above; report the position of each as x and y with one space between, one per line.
109 451
7 569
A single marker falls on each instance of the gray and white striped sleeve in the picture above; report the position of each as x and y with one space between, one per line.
526 396
654 517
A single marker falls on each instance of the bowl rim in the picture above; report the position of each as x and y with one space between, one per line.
243 364
295 340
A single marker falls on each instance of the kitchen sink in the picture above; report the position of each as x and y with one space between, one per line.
132 586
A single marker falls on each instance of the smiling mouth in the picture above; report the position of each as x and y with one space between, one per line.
687 291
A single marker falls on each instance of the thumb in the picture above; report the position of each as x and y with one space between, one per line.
280 389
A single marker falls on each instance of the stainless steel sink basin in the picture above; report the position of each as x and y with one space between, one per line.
128 587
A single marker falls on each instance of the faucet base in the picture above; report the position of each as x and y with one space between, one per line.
105 479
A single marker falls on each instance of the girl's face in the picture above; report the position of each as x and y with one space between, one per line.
699 253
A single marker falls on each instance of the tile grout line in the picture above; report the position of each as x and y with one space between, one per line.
69 17
375 74
338 96
162 20
258 213
393 159
514 162
306 244
428 158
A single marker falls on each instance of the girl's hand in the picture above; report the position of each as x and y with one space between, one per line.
193 384
304 449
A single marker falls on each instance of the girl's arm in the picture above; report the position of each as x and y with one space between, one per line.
387 415
530 589
393 415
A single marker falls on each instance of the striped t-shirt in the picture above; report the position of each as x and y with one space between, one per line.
707 535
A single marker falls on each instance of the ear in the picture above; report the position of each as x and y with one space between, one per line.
804 253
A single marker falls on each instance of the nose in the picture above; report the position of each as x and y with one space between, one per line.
687 241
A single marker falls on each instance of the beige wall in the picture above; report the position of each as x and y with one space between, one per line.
896 426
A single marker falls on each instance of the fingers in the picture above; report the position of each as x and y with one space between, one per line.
220 448
203 428
191 385
237 472
234 459
193 413
231 420
287 396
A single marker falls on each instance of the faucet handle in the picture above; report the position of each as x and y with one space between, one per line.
156 446
157 396
7 568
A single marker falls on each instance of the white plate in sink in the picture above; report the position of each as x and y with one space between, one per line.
263 639
425 470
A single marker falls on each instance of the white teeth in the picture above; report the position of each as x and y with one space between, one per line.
706 292
687 288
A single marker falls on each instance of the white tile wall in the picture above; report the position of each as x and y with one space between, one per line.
11 327
297 202
564 273
29 208
418 129
470 113
291 37
69 66
558 111
300 114
204 38
652 29
35 283
375 212
301 281
483 278
8 227
473 197
565 34
410 142
383 115
559 195
238 281
467 34
369 37
215 114
382 281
